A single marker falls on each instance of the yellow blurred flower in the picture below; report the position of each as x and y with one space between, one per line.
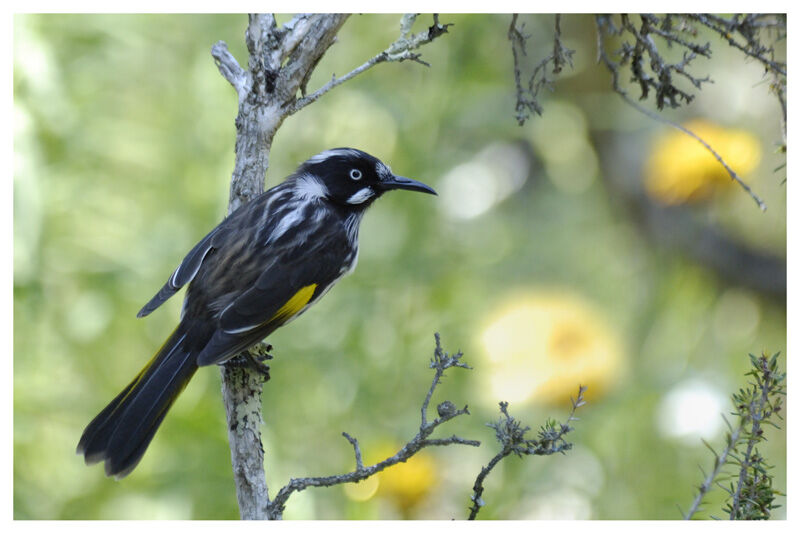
406 484
542 345
681 170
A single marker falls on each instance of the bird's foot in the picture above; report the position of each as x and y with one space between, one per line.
254 358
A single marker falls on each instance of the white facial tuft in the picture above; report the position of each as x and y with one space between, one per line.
361 196
383 171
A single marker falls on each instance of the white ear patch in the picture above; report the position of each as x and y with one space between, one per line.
361 196
310 188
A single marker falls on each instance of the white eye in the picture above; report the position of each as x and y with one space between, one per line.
355 174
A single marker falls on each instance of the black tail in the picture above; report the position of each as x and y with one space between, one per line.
120 434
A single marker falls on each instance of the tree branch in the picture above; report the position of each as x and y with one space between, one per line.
749 27
527 98
720 460
757 407
281 59
511 435
754 407
400 50
441 361
241 394
229 68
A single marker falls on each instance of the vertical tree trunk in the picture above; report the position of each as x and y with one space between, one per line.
281 61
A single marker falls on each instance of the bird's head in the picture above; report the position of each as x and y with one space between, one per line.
351 177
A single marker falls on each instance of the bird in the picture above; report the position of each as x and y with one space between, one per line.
263 266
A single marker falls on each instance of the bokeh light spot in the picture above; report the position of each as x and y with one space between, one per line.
473 188
566 504
362 491
736 315
691 411
561 138
88 316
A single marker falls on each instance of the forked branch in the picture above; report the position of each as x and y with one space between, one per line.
446 411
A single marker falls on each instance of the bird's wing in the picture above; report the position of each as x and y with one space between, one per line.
249 214
183 274
293 279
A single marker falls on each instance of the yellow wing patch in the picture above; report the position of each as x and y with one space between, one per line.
295 304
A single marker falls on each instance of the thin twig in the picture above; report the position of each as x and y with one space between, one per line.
749 28
528 98
511 435
661 78
440 362
761 205
753 48
719 463
754 406
354 442
400 50
758 410
477 488
229 68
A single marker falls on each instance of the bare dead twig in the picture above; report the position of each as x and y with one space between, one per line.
644 53
402 49
440 363
747 26
528 97
743 32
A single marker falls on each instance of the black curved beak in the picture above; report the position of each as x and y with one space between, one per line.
401 182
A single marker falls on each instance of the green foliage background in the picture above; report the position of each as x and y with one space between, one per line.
124 136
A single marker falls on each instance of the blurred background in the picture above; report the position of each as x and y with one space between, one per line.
592 245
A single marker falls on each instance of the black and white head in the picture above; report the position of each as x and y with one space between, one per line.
351 178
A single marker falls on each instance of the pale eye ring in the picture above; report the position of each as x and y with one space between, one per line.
355 174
